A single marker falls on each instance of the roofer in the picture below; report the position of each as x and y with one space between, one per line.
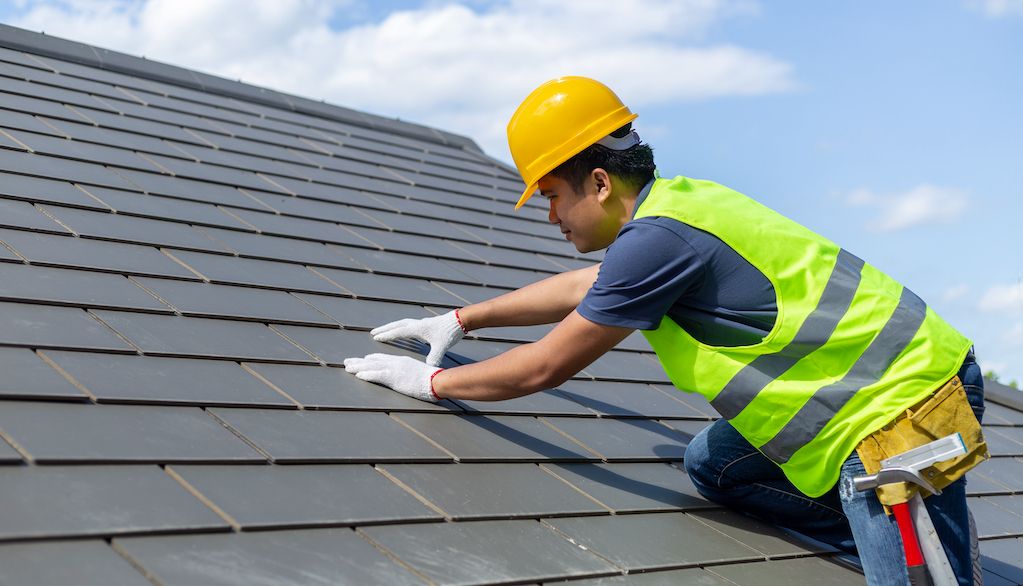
820 364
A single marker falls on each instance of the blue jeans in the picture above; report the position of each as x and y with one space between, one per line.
727 470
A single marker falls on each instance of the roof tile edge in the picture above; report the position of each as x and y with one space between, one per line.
1003 394
49 46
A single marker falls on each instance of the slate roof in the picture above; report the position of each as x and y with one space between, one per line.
187 260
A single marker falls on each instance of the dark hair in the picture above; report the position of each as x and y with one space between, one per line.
634 166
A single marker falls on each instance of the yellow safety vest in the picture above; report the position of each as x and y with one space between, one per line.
850 350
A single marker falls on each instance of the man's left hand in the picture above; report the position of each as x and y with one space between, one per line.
404 374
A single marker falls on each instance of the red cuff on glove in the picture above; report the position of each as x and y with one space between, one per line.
460 324
433 392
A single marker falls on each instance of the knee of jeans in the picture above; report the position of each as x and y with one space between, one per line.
696 458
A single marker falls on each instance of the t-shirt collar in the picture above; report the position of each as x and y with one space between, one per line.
642 196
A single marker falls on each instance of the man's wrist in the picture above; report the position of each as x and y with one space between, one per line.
461 322
467 318
433 388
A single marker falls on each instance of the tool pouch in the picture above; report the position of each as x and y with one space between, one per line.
944 412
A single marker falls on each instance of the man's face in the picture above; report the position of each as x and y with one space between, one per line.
581 215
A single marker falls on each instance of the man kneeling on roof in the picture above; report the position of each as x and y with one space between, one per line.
810 355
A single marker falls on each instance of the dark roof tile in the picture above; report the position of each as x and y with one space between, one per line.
310 556
481 491
247 303
290 226
192 336
66 562
1004 441
100 153
653 540
289 249
81 501
9 455
625 439
994 517
71 287
247 271
165 208
495 276
313 495
26 376
25 216
330 436
362 313
997 476
623 399
399 264
1004 558
688 576
147 379
142 126
463 553
390 288
182 187
786 572
90 254
74 433
763 537
32 105
499 438
634 487
37 189
1001 415
29 122
110 226
41 326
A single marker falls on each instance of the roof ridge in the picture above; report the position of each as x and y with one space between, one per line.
46 45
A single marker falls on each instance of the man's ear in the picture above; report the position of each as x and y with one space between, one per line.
602 184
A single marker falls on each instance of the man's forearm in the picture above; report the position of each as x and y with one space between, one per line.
513 374
525 369
544 302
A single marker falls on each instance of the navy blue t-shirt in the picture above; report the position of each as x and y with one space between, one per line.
659 266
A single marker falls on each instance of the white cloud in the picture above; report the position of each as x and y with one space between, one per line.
463 68
1014 335
995 366
1006 299
956 292
921 206
999 8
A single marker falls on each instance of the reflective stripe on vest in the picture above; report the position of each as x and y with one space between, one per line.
850 350
814 332
868 369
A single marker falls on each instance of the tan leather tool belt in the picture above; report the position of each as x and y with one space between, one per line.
944 412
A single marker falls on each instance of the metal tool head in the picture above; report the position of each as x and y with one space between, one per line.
907 466
891 475
927 455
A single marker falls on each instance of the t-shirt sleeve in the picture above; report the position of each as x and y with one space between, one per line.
645 271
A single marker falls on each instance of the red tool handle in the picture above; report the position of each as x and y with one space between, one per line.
915 565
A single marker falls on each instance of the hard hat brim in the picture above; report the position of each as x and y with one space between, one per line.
528 193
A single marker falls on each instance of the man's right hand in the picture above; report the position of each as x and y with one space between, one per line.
441 332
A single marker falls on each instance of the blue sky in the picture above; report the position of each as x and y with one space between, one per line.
894 128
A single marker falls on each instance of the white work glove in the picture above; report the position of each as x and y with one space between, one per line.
404 374
441 333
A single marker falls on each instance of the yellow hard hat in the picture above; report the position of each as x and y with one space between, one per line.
557 121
